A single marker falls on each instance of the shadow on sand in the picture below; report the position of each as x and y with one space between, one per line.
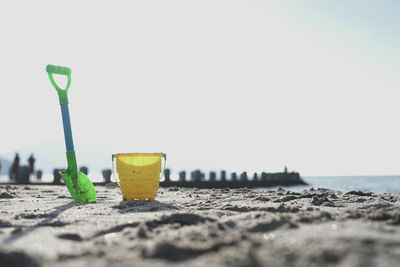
49 220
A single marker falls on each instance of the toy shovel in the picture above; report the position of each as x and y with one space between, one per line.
78 184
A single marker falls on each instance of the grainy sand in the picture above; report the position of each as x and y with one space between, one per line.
41 226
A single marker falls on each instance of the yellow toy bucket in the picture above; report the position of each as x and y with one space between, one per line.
138 174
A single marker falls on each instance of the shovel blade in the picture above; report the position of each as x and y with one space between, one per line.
79 186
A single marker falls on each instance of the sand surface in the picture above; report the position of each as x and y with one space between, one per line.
41 226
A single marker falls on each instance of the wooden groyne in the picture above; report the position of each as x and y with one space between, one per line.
197 179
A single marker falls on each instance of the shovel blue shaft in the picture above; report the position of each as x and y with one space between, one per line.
69 143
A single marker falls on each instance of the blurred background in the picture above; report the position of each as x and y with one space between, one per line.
235 85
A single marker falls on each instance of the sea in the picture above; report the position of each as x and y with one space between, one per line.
375 184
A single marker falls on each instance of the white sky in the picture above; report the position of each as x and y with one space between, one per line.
236 85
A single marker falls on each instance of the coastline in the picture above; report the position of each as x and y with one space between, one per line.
41 226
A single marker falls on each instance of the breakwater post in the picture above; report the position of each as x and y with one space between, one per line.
182 176
106 175
223 176
57 176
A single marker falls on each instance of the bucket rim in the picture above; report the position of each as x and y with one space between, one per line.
138 154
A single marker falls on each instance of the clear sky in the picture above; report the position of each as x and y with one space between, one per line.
235 85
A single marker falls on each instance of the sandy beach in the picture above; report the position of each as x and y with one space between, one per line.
41 226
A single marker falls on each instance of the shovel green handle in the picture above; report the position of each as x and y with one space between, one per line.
62 93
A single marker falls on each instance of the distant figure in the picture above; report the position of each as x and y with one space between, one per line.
285 171
15 167
31 161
